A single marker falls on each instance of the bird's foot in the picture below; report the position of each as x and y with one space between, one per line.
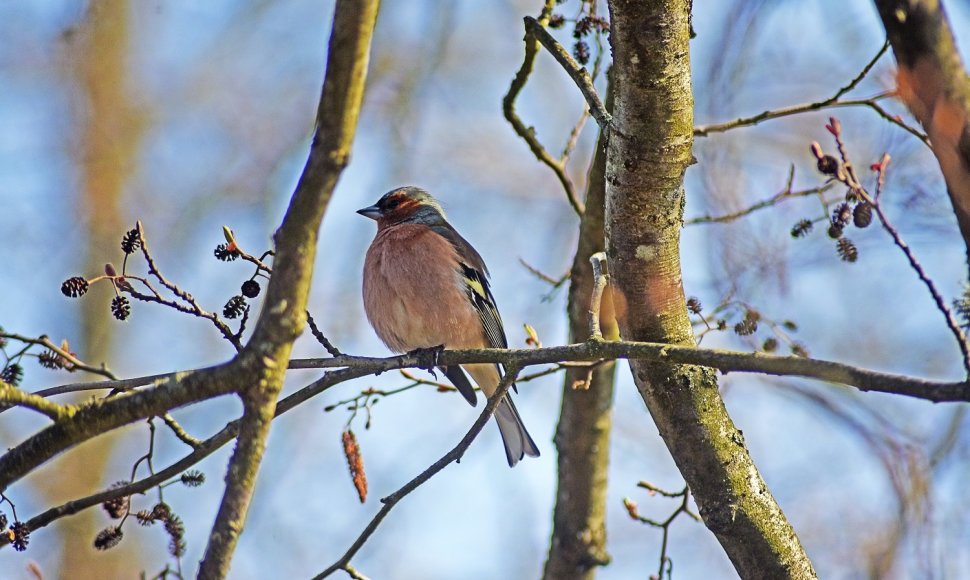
428 357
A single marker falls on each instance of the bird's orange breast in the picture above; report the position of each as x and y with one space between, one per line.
414 293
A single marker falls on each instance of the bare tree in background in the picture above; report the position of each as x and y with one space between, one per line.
629 305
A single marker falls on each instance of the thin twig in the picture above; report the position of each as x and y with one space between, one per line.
768 115
353 572
770 202
581 122
321 338
554 282
683 508
831 102
193 305
862 74
705 130
454 455
180 432
114 384
558 166
941 304
851 179
76 364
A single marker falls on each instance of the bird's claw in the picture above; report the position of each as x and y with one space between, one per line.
428 358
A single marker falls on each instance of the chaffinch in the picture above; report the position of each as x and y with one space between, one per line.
424 287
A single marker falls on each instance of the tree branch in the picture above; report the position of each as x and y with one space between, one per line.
200 451
535 30
76 364
847 175
786 193
283 318
454 455
831 102
871 103
600 281
183 388
558 166
12 396
723 360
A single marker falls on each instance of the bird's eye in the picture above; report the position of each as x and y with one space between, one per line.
392 203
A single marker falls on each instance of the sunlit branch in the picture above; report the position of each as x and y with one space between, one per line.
601 279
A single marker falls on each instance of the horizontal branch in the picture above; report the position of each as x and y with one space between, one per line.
92 419
723 360
351 367
726 361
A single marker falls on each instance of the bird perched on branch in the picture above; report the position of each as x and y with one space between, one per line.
426 287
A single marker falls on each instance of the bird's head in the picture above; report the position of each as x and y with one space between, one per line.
405 205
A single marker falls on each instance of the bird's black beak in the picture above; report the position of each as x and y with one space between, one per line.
372 212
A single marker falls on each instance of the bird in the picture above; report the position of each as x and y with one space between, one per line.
426 287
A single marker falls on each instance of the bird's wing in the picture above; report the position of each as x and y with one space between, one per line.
475 275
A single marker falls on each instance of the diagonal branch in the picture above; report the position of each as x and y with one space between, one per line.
872 103
282 321
579 75
454 455
12 396
772 201
75 363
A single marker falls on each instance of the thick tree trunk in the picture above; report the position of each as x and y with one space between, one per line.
578 542
649 151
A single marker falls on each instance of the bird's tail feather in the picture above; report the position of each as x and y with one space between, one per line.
517 441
